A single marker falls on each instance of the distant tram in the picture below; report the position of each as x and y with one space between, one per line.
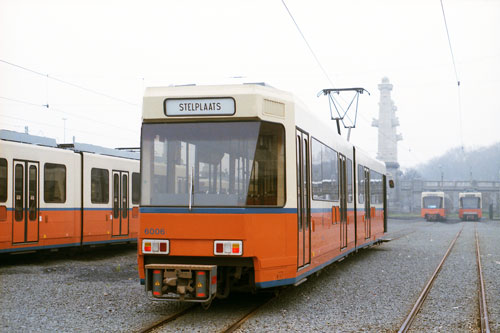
435 206
65 195
470 206
245 189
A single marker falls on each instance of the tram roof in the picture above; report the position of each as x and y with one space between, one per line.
13 136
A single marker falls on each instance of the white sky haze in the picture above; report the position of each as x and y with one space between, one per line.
118 48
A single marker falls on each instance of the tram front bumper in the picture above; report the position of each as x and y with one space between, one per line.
189 283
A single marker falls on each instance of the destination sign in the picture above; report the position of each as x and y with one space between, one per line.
199 106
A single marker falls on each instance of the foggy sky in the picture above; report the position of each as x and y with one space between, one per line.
118 48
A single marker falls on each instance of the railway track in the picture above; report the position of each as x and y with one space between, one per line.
483 309
243 319
229 328
166 320
483 313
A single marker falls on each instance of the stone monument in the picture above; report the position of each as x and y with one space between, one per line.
388 138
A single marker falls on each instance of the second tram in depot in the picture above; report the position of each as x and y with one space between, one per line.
65 195
243 188
470 206
435 206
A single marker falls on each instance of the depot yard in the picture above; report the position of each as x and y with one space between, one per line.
372 290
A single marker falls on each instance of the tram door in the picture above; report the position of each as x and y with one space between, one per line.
368 220
303 201
120 203
26 202
343 201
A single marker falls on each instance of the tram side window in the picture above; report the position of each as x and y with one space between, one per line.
3 180
99 186
349 180
54 183
376 187
361 184
136 188
325 184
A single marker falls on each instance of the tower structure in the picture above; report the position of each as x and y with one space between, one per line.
388 137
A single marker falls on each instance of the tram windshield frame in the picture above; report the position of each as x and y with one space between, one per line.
470 202
432 202
213 164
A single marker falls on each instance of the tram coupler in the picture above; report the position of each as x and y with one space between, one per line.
190 283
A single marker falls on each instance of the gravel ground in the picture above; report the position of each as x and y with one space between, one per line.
97 291
371 291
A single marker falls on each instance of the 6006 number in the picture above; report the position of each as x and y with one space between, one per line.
153 231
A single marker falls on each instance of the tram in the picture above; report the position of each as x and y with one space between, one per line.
435 206
243 188
65 195
470 206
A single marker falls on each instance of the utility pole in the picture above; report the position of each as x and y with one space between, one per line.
442 176
64 137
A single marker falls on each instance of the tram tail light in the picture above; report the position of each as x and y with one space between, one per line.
155 246
228 248
219 248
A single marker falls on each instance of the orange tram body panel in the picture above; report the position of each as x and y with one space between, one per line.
470 206
65 195
242 188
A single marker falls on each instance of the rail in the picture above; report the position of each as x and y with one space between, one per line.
166 320
483 310
247 316
423 295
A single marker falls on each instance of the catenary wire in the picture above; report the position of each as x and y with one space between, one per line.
69 113
456 75
59 126
68 83
411 153
313 54
307 43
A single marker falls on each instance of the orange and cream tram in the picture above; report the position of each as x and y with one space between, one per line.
243 188
435 206
470 206
54 196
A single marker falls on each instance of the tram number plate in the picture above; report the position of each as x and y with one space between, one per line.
154 231
199 106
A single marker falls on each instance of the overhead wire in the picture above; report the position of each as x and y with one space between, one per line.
456 76
58 126
68 83
328 77
69 113
315 57
307 43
